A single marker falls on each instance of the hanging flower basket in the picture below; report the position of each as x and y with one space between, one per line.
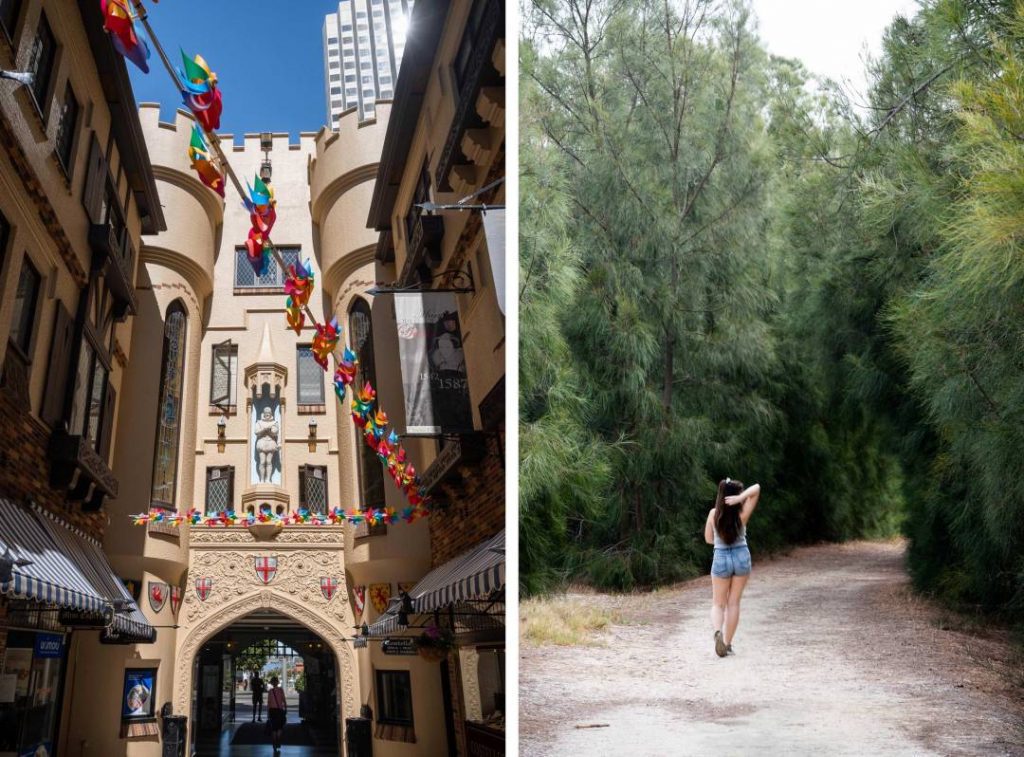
435 643
432 654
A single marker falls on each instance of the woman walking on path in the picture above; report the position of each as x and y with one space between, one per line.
277 713
726 528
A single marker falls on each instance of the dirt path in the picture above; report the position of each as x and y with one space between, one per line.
834 656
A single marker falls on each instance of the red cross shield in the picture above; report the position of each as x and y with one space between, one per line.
266 568
203 587
175 599
158 592
328 585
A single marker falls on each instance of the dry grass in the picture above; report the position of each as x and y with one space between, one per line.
564 620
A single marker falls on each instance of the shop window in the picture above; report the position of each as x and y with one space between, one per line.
41 60
394 698
223 375
9 12
26 299
168 422
313 488
35 663
310 376
66 129
220 489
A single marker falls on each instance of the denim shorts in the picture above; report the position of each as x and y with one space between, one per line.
731 561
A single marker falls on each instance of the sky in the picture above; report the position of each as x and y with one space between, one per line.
279 86
268 57
829 36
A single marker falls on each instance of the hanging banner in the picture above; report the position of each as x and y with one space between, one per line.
494 233
433 364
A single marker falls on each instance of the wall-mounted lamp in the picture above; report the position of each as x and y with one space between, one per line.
266 144
222 428
312 434
22 77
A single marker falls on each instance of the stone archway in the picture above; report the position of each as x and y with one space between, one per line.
327 628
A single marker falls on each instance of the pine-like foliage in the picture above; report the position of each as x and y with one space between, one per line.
738 274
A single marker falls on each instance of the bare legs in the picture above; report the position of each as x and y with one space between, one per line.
725 604
732 608
719 601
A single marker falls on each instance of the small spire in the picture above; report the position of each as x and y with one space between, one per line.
266 354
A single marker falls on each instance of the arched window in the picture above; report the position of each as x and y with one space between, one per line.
371 471
168 417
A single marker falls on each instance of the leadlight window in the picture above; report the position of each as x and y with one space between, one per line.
67 127
26 297
40 62
311 376
246 278
224 373
313 488
220 485
371 471
394 697
9 12
168 422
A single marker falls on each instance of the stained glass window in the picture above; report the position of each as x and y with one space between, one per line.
371 473
168 421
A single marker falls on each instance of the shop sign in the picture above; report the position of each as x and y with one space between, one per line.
84 618
48 645
399 646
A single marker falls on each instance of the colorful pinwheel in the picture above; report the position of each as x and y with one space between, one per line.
200 92
262 217
119 22
199 154
325 341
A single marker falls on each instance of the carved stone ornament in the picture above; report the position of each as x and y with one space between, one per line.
296 592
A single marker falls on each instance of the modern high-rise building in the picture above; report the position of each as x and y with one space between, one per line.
363 45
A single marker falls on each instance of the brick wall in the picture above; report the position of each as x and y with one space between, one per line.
25 466
474 509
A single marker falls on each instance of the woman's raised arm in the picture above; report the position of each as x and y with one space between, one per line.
750 497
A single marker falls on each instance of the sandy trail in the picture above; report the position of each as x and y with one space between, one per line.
834 656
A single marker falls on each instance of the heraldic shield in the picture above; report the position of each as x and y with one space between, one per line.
266 568
329 586
158 593
203 587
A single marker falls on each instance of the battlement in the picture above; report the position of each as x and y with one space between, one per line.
150 115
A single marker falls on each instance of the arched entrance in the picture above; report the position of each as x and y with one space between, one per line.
240 659
264 614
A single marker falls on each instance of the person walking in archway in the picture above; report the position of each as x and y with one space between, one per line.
726 529
256 687
277 712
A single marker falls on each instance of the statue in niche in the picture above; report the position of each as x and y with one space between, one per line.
266 432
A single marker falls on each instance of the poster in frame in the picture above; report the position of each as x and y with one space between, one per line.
138 694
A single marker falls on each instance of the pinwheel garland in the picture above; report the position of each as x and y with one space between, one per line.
325 341
200 92
262 216
199 154
345 373
298 286
302 517
119 22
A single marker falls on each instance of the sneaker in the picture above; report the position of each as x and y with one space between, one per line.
728 649
720 648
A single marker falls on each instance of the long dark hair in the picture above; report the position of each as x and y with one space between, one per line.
727 518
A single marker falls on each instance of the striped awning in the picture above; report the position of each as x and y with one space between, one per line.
66 569
477 574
